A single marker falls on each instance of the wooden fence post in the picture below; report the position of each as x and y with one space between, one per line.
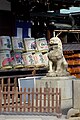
44 99
8 82
33 99
2 84
52 99
57 100
16 98
48 99
20 99
24 99
40 99
28 99
15 83
36 99
13 99
8 99
4 99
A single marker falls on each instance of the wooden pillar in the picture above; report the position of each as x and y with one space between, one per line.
48 35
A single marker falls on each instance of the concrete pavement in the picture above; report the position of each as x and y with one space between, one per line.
28 117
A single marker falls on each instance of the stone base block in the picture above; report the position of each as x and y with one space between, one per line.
76 94
65 83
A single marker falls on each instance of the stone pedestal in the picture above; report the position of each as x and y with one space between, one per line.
75 110
76 94
65 83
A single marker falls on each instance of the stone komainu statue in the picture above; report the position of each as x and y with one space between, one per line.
57 63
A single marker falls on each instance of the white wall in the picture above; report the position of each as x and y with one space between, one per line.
5 5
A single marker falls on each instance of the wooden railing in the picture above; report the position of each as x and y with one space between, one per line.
30 100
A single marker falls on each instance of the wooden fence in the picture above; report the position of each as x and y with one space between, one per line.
8 82
30 100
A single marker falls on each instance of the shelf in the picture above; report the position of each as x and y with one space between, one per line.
72 57
73 65
23 72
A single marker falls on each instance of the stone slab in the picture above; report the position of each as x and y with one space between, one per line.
65 83
76 94
22 117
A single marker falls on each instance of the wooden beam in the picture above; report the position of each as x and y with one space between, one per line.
74 31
